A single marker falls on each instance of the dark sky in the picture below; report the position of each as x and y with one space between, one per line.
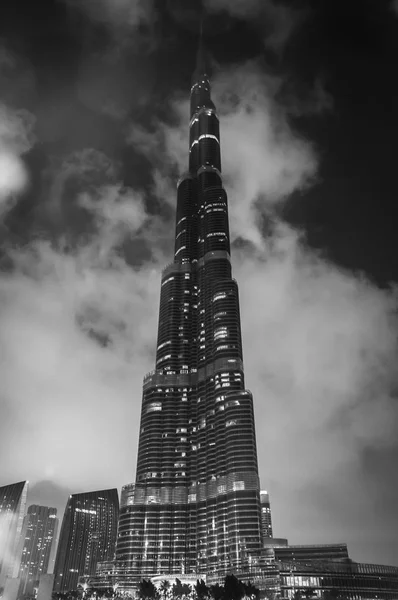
92 128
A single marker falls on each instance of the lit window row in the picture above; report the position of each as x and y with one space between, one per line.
164 344
203 136
209 135
211 204
219 296
167 280
154 406
164 358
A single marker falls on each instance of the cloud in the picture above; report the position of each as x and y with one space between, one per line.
394 6
16 138
276 21
121 14
114 82
281 22
78 325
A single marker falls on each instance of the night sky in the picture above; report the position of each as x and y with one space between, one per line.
93 136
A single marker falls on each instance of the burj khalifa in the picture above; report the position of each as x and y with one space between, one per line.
195 505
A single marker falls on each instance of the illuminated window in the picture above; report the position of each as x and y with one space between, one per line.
164 344
219 296
164 358
167 280
154 406
220 332
238 486
209 135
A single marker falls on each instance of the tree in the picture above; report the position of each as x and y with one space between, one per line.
201 589
147 590
181 590
251 591
186 590
234 588
164 588
217 591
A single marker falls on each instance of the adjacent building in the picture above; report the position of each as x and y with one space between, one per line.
195 507
12 512
266 521
313 552
323 571
346 580
88 536
39 532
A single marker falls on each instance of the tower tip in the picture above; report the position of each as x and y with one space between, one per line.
201 53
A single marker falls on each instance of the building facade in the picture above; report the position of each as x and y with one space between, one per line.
12 512
314 552
39 531
88 536
333 579
195 506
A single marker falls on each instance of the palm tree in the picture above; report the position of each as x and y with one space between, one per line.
186 590
177 589
164 588
234 588
217 591
201 590
147 590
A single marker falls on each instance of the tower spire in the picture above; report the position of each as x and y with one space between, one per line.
201 53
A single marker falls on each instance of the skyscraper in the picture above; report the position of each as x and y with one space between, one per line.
195 507
39 531
12 512
88 536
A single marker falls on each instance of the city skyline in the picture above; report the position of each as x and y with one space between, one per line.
308 163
